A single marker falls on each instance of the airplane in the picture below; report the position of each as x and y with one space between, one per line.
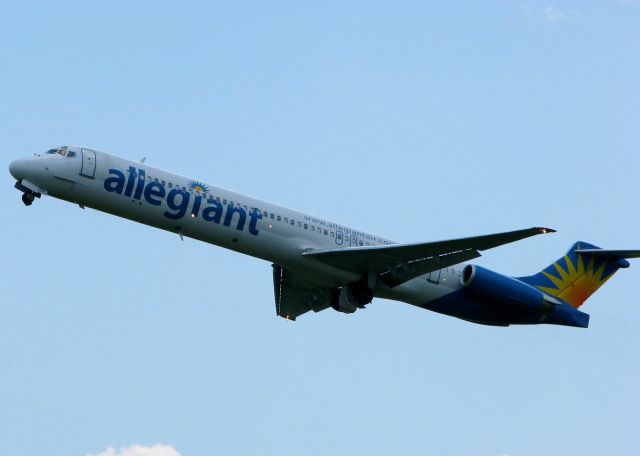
319 264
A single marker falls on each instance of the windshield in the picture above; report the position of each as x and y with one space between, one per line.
61 151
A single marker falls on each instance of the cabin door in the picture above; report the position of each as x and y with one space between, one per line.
88 163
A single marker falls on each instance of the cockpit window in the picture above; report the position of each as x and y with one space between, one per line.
61 151
71 154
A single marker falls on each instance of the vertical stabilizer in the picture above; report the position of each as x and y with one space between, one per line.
578 274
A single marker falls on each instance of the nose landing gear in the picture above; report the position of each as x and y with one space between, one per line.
28 198
29 191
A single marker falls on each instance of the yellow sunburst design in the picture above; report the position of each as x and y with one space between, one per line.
198 186
575 284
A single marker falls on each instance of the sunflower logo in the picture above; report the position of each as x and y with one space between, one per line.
198 186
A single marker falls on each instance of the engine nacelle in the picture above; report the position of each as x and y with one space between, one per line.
496 288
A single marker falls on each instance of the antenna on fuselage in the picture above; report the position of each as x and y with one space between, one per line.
179 231
143 159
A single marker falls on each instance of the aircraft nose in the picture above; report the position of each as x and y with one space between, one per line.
17 168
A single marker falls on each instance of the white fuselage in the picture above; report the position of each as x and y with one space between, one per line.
198 210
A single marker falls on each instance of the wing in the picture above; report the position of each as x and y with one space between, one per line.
398 263
295 295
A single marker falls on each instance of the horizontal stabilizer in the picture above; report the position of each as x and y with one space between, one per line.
610 254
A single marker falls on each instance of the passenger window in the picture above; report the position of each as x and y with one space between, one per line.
155 179
359 242
306 226
331 234
224 201
292 222
271 216
163 184
299 225
326 232
170 185
313 228
279 218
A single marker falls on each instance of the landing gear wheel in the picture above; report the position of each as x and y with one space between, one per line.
364 296
28 198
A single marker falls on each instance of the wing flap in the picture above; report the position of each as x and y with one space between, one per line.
295 296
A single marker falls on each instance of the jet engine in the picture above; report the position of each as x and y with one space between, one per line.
499 289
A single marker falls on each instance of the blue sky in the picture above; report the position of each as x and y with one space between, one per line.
414 121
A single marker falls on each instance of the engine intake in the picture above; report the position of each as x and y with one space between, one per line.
506 291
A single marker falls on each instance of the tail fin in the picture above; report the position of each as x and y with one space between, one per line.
578 274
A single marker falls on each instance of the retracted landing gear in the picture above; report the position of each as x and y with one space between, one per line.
355 296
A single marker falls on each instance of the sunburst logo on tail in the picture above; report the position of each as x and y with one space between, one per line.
574 282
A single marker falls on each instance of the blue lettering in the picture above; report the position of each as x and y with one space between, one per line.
178 200
213 212
114 184
254 215
152 190
196 206
130 181
242 217
140 185
181 207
